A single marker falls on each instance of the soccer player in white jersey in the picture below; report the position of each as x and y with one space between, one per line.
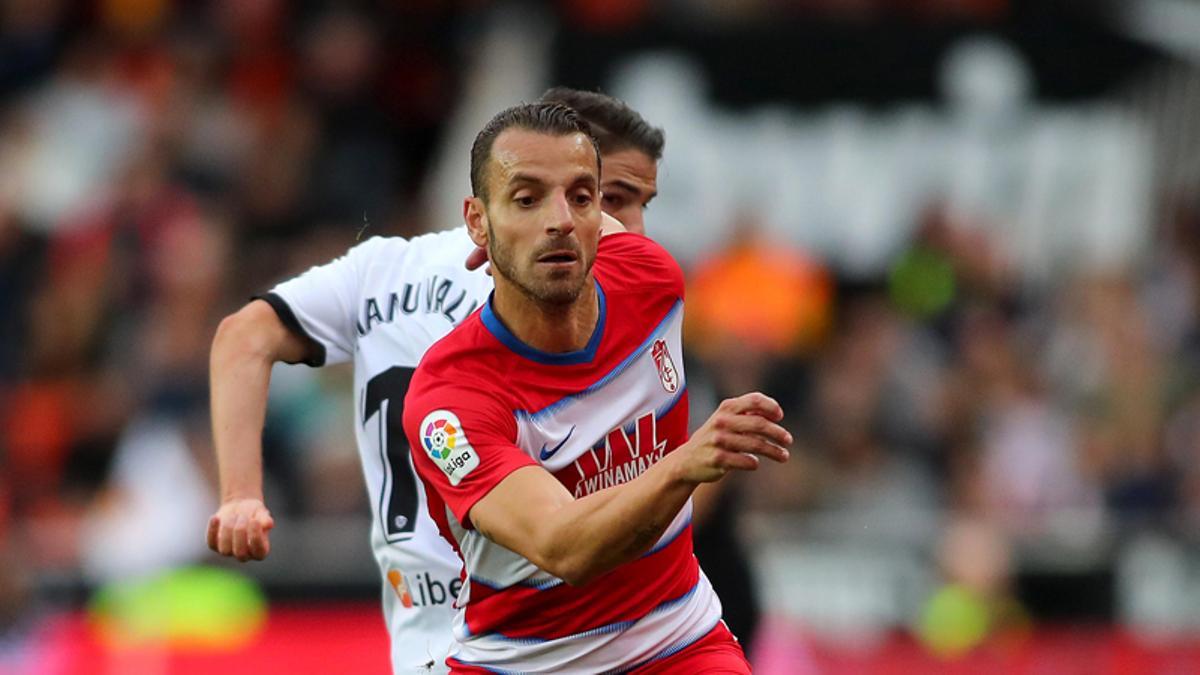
381 306
550 429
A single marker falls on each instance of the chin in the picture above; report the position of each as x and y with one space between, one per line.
560 292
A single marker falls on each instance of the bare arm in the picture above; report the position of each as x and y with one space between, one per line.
246 345
531 513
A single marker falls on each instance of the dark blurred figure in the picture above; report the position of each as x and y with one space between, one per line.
753 310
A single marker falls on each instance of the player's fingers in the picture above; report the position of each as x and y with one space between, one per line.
225 538
265 521
476 258
214 528
737 460
256 540
754 403
759 426
754 445
240 535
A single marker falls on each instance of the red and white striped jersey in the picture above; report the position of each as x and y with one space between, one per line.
483 404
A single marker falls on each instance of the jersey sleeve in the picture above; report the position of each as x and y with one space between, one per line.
321 304
640 262
463 444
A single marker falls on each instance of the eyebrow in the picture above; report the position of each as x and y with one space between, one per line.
630 187
585 177
519 179
524 179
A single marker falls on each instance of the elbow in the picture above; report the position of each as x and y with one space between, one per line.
232 336
572 572
575 568
242 333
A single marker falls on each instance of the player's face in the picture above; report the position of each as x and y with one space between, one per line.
543 213
629 182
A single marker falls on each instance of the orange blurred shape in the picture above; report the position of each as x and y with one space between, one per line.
134 17
396 579
766 296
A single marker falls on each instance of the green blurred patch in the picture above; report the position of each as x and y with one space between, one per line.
194 607
922 282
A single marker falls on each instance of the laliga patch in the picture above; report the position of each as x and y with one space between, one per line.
446 444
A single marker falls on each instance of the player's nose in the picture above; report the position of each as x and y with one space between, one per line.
561 220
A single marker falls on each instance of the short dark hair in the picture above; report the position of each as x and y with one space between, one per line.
615 125
554 119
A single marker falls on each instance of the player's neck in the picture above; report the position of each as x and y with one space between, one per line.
555 329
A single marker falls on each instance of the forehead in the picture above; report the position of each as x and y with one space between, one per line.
631 166
549 157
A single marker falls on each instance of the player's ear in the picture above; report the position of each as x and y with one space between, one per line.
475 217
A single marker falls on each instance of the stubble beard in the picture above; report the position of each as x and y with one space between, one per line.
552 294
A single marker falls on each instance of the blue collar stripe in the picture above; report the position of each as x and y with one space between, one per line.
506 337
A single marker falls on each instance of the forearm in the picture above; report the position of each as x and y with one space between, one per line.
239 380
592 535
247 344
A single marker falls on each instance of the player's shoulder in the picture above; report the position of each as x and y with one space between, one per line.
431 248
462 358
464 368
444 244
629 261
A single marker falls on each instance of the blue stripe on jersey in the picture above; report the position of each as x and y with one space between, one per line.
612 374
544 585
665 408
615 627
485 668
663 544
669 651
493 585
501 332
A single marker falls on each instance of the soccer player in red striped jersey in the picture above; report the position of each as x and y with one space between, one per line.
550 429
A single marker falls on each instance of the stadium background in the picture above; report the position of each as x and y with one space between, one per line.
959 239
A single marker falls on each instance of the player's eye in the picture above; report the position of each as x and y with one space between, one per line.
613 201
583 198
525 200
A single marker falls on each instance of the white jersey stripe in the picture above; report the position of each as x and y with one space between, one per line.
672 626
658 332
674 649
602 630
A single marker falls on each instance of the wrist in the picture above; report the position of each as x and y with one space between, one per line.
675 470
230 496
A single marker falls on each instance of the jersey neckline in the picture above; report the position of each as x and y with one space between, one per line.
506 337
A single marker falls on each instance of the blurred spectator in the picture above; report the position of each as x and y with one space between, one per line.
940 356
751 308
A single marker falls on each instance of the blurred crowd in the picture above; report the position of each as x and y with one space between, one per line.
160 162
1064 411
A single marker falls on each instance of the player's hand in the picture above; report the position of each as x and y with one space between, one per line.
241 528
478 258
742 430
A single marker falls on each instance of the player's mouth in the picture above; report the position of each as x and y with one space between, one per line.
561 258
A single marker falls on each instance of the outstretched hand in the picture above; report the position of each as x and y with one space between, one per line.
742 430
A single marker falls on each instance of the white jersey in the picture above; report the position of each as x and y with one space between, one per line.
383 305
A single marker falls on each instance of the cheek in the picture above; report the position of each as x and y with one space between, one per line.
631 218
